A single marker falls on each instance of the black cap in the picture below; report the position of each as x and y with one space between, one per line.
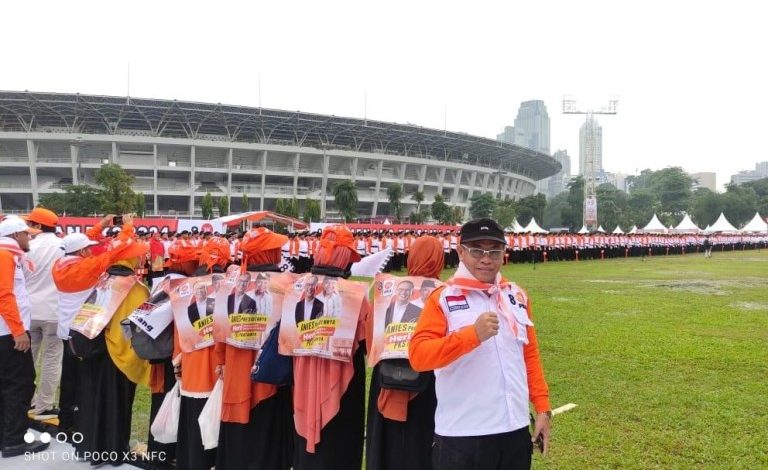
482 229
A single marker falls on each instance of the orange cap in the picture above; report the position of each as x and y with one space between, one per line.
261 239
42 216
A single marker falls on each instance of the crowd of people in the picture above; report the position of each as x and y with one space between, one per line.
318 420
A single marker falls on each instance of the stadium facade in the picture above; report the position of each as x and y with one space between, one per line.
179 151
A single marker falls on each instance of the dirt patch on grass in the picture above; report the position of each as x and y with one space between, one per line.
751 305
605 281
696 286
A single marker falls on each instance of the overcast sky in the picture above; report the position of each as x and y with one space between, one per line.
690 76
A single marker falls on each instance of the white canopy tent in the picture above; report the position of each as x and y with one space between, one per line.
600 229
533 227
655 225
687 226
757 224
722 225
515 227
633 230
617 230
583 229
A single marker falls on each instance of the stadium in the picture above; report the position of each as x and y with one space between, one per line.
179 151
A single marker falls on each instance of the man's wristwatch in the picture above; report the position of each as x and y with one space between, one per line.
548 413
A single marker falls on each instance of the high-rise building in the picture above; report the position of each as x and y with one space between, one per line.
559 182
508 136
618 180
705 179
590 145
532 131
760 172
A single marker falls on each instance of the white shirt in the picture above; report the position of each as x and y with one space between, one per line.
264 304
44 250
331 305
308 308
397 312
20 292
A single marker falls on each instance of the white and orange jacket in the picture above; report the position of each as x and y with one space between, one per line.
15 308
482 388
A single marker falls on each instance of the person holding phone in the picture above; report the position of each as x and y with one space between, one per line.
477 335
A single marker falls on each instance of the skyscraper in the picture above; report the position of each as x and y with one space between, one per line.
508 136
532 131
559 182
590 145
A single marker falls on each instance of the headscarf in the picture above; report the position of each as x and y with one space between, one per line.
262 246
215 252
425 257
337 248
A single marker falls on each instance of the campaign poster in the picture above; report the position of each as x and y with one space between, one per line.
102 304
155 314
193 301
247 308
319 315
397 305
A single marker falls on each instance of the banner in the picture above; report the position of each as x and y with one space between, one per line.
102 304
193 301
69 225
319 315
397 304
590 210
246 309
155 314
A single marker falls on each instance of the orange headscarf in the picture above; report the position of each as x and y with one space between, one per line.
215 252
262 246
337 247
426 257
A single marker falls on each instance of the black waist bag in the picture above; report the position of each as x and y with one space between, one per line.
397 374
85 348
270 366
152 349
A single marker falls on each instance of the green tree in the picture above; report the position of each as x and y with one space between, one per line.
418 196
117 189
223 204
345 198
553 212
394 194
441 211
740 204
642 205
311 210
457 215
141 205
76 200
573 214
206 205
280 207
292 207
530 207
705 207
504 213
482 205
245 204
612 207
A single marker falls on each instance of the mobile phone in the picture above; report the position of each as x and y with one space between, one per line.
117 220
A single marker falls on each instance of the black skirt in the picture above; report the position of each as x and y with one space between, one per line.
190 454
265 442
104 417
341 441
396 445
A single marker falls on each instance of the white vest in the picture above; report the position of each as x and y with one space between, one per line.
70 304
22 299
486 390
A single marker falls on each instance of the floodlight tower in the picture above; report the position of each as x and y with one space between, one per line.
590 186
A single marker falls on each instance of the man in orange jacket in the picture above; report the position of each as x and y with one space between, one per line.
477 335
17 372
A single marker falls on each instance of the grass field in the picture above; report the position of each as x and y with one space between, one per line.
666 358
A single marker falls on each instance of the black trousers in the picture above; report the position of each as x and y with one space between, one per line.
68 390
506 451
17 385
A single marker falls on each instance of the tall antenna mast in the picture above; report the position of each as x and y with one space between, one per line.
589 218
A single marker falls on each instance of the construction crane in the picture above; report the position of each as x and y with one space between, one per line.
590 178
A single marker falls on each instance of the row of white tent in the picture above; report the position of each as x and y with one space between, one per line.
721 225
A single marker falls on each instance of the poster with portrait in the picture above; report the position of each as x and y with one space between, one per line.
319 315
247 308
397 304
101 304
155 314
193 301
